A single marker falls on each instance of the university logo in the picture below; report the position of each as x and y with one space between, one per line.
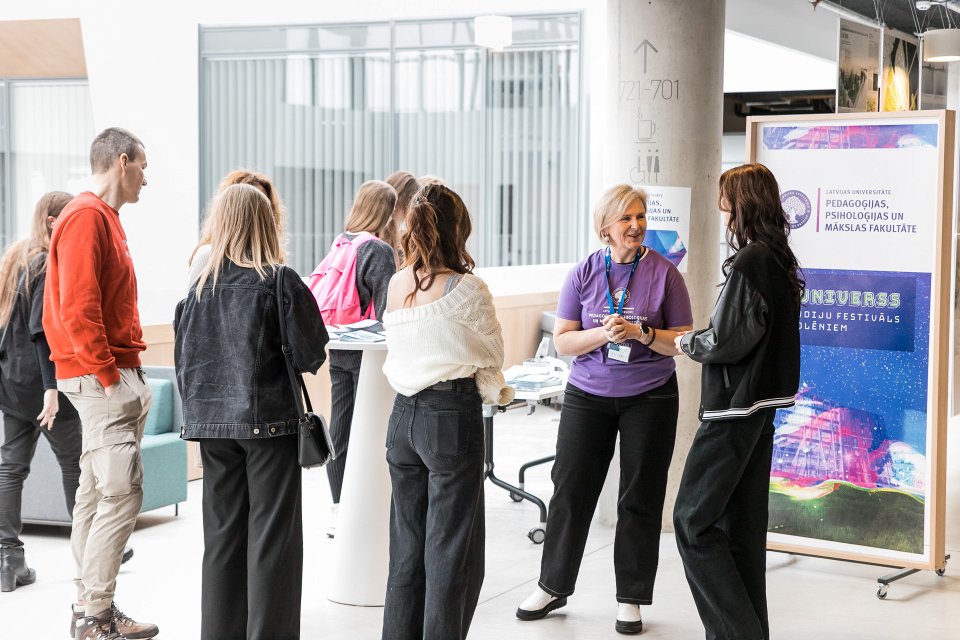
796 205
619 293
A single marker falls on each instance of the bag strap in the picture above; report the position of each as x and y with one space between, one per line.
300 394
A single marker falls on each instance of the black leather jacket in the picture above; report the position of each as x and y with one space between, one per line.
230 370
751 350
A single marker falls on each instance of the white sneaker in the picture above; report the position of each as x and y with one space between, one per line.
332 523
538 604
629 621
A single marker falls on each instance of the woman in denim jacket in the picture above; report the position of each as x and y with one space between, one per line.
239 404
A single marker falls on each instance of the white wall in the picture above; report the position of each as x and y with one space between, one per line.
142 62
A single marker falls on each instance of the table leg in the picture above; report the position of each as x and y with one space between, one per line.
361 556
514 491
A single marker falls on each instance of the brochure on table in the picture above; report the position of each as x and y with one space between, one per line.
361 331
858 464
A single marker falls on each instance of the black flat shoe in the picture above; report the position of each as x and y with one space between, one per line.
523 614
629 628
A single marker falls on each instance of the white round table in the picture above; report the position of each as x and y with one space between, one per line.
361 545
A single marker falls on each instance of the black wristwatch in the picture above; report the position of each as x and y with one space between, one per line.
645 330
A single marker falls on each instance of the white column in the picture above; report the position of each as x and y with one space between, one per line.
664 127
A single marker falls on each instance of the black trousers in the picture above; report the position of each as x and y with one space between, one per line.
344 377
19 444
253 539
435 453
589 424
721 523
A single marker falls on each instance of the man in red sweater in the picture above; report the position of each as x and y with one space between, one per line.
91 322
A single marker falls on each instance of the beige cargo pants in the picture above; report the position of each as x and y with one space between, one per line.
111 480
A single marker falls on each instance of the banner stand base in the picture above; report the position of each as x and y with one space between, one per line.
883 582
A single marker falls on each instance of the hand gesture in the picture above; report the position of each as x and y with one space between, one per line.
616 328
51 404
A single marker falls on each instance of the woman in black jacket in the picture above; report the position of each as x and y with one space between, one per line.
751 366
239 404
28 391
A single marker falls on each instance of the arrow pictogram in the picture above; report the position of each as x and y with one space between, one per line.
646 45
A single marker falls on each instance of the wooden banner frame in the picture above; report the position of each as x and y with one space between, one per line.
941 309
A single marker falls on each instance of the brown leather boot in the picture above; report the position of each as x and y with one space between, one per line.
130 629
97 628
14 571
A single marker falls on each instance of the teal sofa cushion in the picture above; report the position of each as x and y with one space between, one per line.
160 417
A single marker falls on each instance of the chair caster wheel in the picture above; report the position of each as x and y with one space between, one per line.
882 591
536 535
515 497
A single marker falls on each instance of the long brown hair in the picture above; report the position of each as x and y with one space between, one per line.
438 225
752 195
405 184
19 256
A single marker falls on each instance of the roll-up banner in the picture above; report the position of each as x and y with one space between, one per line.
858 470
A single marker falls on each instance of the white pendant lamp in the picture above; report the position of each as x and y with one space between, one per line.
941 45
493 32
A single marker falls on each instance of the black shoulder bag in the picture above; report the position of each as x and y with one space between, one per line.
315 445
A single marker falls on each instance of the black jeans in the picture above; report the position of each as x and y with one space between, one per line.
19 444
253 539
647 424
721 523
344 377
435 453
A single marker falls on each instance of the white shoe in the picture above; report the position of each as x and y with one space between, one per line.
629 621
538 604
332 523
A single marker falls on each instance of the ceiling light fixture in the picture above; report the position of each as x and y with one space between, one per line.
493 32
941 45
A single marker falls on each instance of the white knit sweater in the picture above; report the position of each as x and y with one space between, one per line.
453 337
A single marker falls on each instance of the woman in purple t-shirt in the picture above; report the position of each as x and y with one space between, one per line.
619 312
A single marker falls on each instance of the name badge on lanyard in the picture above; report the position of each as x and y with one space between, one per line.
619 352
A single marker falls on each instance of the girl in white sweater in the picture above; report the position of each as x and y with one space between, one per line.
444 359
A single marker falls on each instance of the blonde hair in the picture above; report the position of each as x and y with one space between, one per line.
614 203
242 230
18 257
372 208
262 182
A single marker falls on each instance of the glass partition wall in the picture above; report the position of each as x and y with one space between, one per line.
45 131
322 108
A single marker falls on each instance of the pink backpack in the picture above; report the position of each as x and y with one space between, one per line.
334 282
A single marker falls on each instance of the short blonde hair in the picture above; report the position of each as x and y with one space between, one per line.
242 230
372 208
614 203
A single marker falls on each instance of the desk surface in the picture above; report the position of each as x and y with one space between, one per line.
357 345
540 394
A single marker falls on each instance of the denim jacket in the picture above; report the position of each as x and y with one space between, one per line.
230 369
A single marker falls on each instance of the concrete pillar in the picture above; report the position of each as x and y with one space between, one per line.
664 127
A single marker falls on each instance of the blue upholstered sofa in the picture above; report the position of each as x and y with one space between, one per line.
164 460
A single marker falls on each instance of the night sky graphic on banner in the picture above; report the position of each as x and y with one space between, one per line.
848 461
